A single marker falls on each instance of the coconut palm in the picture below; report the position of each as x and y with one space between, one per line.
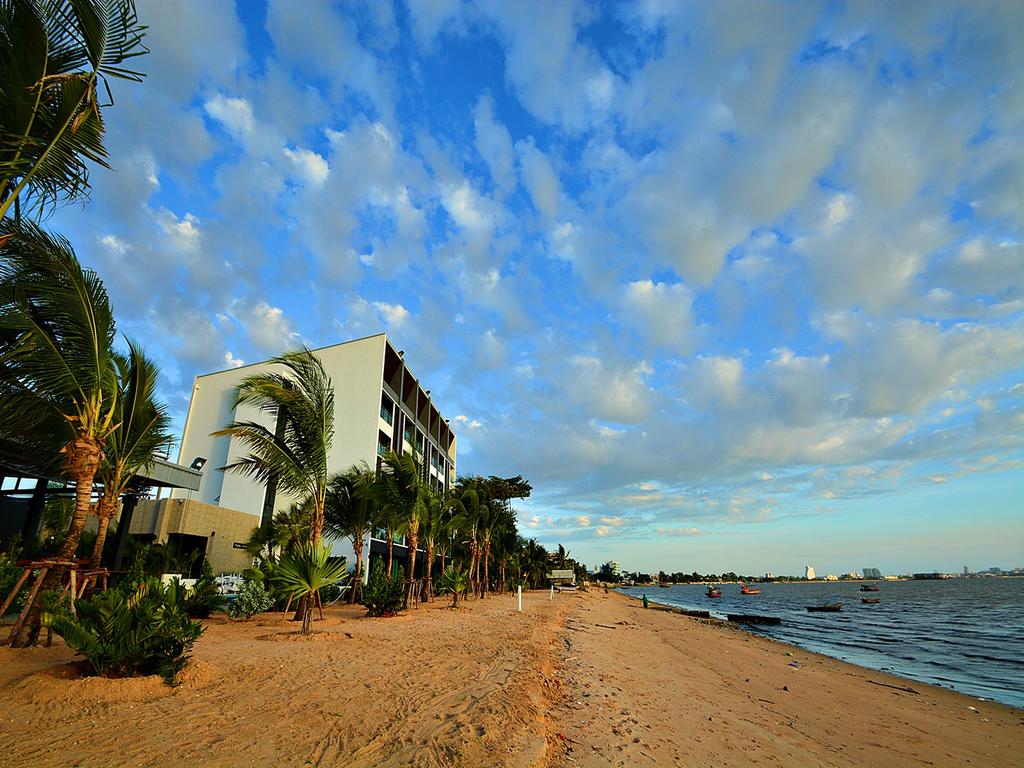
471 508
54 54
141 428
58 378
292 453
401 496
504 540
454 581
436 515
351 511
562 556
305 572
534 563
285 533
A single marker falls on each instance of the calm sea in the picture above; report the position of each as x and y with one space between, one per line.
964 634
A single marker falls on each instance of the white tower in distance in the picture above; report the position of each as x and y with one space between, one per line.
808 572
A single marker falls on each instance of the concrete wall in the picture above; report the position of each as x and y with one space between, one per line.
223 528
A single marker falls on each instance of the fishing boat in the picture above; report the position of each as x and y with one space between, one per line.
868 588
745 590
871 599
713 591
828 607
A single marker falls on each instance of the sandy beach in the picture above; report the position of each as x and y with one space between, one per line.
588 679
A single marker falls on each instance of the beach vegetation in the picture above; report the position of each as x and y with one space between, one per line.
55 56
252 598
401 494
454 582
301 575
383 596
140 430
204 597
138 630
351 511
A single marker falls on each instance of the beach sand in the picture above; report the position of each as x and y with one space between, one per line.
586 679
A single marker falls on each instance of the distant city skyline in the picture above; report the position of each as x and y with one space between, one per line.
732 286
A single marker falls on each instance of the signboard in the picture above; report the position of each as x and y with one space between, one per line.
239 545
567 574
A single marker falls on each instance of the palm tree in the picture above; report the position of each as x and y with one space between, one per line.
400 492
453 580
436 519
305 572
351 511
284 534
141 428
534 562
467 523
53 56
58 380
292 454
562 556
504 539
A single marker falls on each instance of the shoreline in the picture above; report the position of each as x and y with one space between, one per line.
582 679
823 649
690 691
735 625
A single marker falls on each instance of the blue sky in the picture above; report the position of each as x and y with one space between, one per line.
736 286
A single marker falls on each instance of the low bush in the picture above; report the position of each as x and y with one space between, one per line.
139 630
452 582
205 596
253 598
381 596
10 572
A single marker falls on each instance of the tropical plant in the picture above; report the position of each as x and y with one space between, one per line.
140 430
561 556
253 598
302 574
205 596
138 631
288 529
534 563
383 596
401 495
291 455
54 54
350 512
453 581
58 379
435 518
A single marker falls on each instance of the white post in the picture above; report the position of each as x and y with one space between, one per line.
520 590
552 595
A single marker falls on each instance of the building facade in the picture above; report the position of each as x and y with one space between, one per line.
379 405
808 572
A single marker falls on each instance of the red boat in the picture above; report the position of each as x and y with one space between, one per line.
745 590
713 591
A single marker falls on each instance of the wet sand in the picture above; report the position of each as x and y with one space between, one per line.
588 679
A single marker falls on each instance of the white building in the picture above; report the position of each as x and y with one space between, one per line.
808 572
379 405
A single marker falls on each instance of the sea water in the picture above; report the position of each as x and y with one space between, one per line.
964 634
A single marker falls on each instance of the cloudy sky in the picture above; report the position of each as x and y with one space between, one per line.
736 286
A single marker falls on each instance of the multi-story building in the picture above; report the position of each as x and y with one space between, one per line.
379 405
872 573
808 572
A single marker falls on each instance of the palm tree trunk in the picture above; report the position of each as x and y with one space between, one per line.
429 569
486 559
105 513
412 540
357 547
391 551
84 454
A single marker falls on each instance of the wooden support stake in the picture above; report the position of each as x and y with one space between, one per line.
74 588
28 605
10 598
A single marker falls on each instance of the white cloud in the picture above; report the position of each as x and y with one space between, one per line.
662 312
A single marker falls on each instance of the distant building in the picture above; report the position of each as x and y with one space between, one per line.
872 573
831 577
769 575
966 571
614 567
808 572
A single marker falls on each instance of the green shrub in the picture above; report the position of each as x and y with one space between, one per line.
10 572
381 596
135 631
304 572
252 598
453 581
205 596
